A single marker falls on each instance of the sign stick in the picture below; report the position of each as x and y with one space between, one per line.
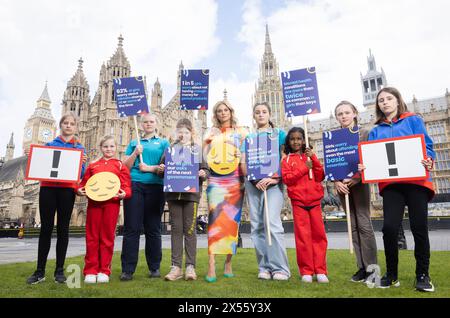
349 223
266 214
307 145
137 136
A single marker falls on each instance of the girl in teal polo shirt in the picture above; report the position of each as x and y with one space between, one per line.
145 207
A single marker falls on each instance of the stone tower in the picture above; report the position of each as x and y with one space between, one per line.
269 89
40 128
101 117
10 148
372 82
156 101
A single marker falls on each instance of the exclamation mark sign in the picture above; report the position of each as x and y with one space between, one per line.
55 164
390 150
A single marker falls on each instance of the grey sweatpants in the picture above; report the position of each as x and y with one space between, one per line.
364 242
183 217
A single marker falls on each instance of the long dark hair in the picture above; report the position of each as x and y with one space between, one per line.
402 108
288 148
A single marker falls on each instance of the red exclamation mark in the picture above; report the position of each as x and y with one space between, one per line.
55 164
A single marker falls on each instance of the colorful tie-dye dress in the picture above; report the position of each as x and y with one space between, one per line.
225 191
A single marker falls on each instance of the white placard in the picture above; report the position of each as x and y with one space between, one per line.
43 164
405 165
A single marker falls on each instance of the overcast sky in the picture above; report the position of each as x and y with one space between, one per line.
43 39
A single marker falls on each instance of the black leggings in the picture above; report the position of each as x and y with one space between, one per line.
395 198
51 200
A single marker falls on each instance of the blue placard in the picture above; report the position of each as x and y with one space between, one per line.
262 156
181 169
301 96
130 96
340 149
194 89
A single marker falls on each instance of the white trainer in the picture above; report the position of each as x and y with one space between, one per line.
90 279
102 278
264 275
307 279
280 276
190 273
322 278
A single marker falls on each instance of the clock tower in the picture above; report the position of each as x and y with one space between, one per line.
41 126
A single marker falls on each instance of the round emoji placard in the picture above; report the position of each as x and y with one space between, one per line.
223 157
102 186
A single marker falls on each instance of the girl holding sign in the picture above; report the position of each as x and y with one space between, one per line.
106 182
145 207
57 197
272 259
183 207
225 186
363 237
394 120
306 195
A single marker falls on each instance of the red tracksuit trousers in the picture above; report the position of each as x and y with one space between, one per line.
101 223
310 240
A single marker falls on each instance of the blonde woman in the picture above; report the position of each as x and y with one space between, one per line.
225 190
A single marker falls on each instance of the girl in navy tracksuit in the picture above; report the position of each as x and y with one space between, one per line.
394 120
57 197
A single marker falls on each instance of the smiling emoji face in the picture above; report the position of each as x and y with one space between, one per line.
223 158
102 186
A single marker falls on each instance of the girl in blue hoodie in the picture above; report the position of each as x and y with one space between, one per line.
394 120
57 197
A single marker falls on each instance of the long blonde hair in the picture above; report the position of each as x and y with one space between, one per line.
216 122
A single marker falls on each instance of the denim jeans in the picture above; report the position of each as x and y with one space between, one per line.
272 258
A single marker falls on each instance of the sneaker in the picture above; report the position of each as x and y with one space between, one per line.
423 283
90 279
36 278
264 275
60 278
174 274
322 279
126 276
307 279
389 280
102 278
359 276
190 273
155 273
280 276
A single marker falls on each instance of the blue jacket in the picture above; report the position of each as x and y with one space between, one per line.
406 125
59 142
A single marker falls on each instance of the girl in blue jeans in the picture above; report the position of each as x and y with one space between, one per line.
272 260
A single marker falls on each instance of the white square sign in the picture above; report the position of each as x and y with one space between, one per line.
393 159
54 164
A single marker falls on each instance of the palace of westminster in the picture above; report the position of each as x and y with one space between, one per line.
98 117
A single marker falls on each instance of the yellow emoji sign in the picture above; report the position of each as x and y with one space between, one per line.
223 157
102 186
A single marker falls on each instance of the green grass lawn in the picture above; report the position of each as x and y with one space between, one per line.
341 265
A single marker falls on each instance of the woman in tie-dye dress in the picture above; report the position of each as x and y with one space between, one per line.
225 190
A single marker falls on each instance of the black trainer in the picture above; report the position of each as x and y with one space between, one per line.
423 283
359 276
155 273
126 276
36 278
389 280
60 278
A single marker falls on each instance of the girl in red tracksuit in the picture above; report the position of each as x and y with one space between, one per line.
306 194
102 217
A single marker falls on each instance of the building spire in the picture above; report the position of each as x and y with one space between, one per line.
11 140
268 46
44 95
120 40
225 97
80 63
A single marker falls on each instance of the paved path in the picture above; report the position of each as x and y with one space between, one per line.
13 250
